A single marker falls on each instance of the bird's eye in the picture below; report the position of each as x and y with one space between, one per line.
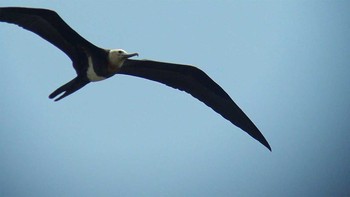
120 52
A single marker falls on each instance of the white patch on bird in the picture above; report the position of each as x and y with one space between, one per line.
91 74
116 57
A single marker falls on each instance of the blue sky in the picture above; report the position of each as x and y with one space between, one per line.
285 63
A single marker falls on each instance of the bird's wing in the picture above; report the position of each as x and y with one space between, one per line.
195 82
48 25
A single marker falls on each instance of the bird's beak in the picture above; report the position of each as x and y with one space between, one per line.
129 55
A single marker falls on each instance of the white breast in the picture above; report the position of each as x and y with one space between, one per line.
91 74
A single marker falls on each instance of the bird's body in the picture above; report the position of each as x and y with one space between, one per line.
93 63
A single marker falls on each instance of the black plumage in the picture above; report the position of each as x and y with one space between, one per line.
49 25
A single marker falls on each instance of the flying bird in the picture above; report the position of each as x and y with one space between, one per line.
93 63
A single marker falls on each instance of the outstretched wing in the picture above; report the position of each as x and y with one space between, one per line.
48 25
195 82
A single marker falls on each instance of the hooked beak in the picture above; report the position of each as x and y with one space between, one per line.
129 55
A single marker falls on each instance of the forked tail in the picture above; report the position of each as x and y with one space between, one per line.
70 87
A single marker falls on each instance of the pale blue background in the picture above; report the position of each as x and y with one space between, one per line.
286 64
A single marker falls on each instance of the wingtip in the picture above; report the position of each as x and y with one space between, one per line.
266 144
268 147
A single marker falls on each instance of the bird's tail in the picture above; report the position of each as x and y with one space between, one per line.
68 88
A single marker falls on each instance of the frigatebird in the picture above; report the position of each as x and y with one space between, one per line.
93 63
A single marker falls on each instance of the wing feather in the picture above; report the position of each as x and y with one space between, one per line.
50 26
195 82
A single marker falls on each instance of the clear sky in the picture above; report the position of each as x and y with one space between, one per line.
285 63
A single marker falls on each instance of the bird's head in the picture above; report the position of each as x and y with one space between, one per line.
117 56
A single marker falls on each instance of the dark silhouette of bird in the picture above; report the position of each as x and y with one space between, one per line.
93 63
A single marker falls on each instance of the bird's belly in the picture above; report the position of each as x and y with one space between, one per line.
91 74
